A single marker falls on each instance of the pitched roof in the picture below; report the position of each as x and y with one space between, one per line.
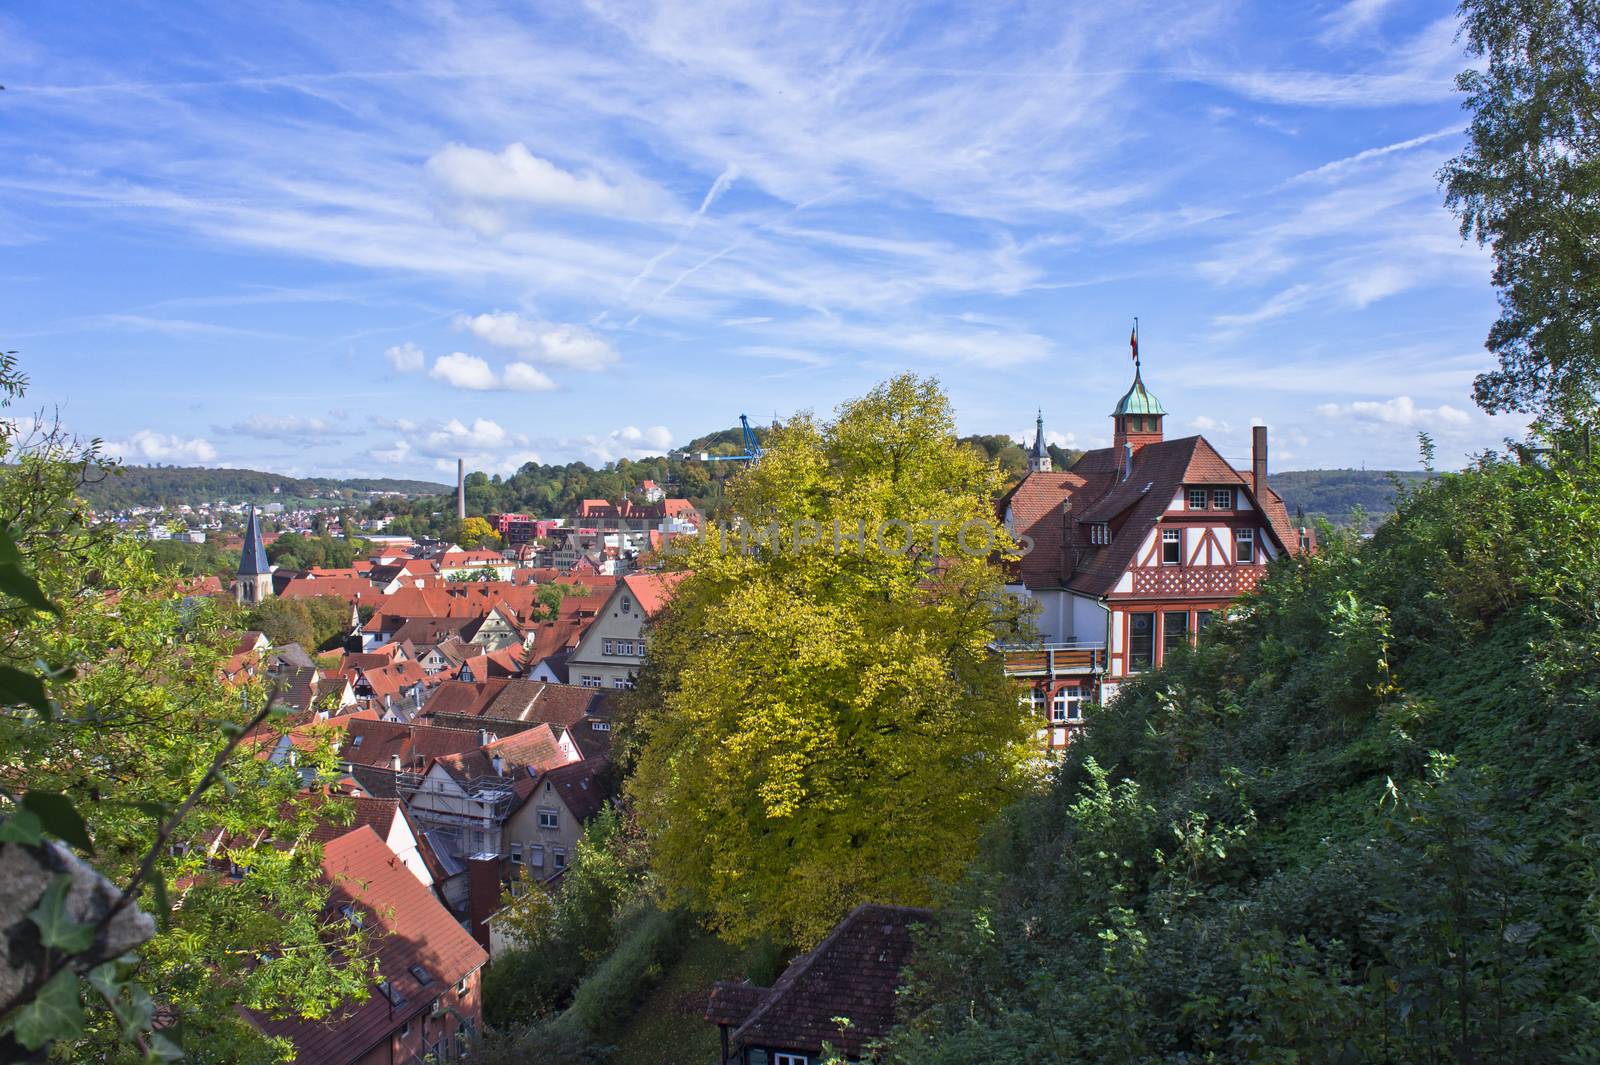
1092 492
410 928
578 784
532 700
466 698
652 590
853 973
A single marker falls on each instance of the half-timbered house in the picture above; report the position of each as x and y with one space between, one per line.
1131 551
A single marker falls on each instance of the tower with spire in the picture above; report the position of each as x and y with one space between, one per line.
253 583
1136 420
1039 457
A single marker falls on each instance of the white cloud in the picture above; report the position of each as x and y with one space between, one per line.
516 175
1352 19
397 455
520 377
1401 411
406 358
455 434
628 442
460 370
656 436
147 445
556 343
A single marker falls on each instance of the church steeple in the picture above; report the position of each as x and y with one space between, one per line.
253 583
1039 457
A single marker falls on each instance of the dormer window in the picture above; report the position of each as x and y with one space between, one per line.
1222 499
1099 533
1197 499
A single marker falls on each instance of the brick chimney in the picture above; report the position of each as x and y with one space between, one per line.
483 894
1258 462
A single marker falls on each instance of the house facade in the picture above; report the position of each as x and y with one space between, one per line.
612 649
1131 552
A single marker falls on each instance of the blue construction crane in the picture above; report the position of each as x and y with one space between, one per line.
752 447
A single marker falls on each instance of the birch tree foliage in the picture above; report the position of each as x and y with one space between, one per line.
823 722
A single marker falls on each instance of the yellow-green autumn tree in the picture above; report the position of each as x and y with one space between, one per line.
822 722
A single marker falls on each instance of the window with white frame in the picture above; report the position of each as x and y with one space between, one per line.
1171 547
600 726
1222 499
1034 698
560 857
608 647
1067 705
589 681
549 817
516 854
1197 499
1244 545
1099 533
782 1058
536 856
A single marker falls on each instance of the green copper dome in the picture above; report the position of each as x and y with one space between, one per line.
1138 400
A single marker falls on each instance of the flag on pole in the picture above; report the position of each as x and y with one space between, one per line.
1133 340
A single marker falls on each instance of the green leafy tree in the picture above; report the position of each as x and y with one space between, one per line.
822 722
133 747
1528 185
316 623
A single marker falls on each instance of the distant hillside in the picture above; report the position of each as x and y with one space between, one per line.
1334 494
148 486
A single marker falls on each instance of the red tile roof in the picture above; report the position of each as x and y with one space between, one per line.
652 590
410 928
1053 508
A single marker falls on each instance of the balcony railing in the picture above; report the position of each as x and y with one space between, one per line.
1073 658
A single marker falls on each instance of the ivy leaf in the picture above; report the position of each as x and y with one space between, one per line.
23 826
56 926
54 1014
17 686
103 978
59 817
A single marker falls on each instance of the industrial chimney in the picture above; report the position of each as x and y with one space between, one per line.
1258 462
461 489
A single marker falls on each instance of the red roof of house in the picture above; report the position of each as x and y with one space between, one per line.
1054 507
652 590
410 928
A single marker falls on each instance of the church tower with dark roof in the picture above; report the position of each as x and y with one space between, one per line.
1039 457
253 583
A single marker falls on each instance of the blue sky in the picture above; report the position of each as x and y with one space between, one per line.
365 239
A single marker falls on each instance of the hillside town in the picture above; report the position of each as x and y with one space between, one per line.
471 698
406 658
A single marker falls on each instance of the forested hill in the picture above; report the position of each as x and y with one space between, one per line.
148 486
1335 494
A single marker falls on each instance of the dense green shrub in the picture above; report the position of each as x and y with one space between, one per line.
650 942
1358 823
